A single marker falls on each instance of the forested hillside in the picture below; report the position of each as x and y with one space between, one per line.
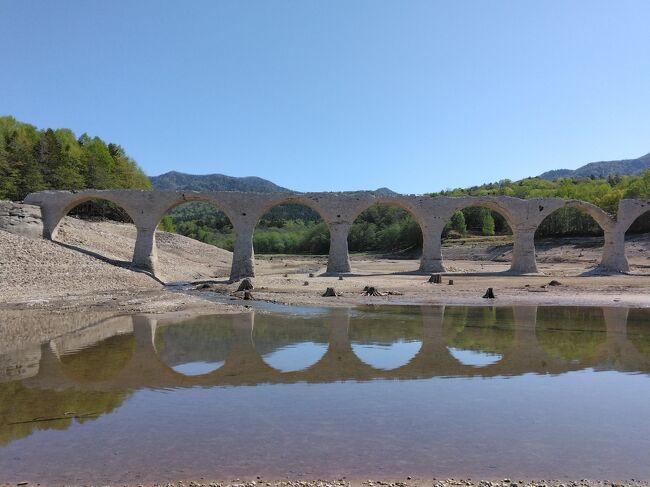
603 169
34 160
214 182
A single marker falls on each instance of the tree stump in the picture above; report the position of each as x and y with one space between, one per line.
489 294
245 285
330 292
435 279
371 291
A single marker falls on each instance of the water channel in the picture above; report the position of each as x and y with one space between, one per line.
368 392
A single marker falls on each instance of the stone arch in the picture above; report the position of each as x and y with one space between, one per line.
636 242
280 199
52 225
221 262
54 212
269 237
490 203
599 217
405 204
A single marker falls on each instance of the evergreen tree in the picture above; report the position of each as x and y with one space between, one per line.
487 221
457 223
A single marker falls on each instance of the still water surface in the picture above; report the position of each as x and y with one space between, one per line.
546 392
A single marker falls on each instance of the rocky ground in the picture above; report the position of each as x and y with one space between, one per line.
408 482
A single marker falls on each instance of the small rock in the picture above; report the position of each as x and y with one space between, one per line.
248 296
554 283
306 283
451 282
311 274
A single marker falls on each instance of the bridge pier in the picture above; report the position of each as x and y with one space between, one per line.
145 255
523 251
431 260
614 258
338 261
243 263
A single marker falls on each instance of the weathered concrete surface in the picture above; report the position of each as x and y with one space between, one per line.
21 219
338 210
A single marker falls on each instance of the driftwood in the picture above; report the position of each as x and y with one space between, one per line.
330 292
489 294
435 279
245 285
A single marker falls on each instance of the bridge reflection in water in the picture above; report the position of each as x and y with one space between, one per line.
339 345
96 369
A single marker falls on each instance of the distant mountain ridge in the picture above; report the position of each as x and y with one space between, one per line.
603 169
220 182
214 182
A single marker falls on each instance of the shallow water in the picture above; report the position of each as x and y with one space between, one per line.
546 392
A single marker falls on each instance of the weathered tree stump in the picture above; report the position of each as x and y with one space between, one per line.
245 285
371 291
489 294
330 292
435 279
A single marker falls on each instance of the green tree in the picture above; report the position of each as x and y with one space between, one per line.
457 223
487 222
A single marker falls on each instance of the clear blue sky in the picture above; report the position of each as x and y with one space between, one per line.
338 95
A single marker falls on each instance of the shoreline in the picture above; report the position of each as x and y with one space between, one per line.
408 481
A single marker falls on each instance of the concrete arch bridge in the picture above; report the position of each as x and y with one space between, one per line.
338 211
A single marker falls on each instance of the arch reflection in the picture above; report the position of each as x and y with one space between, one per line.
194 347
291 343
388 339
575 335
479 337
638 331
